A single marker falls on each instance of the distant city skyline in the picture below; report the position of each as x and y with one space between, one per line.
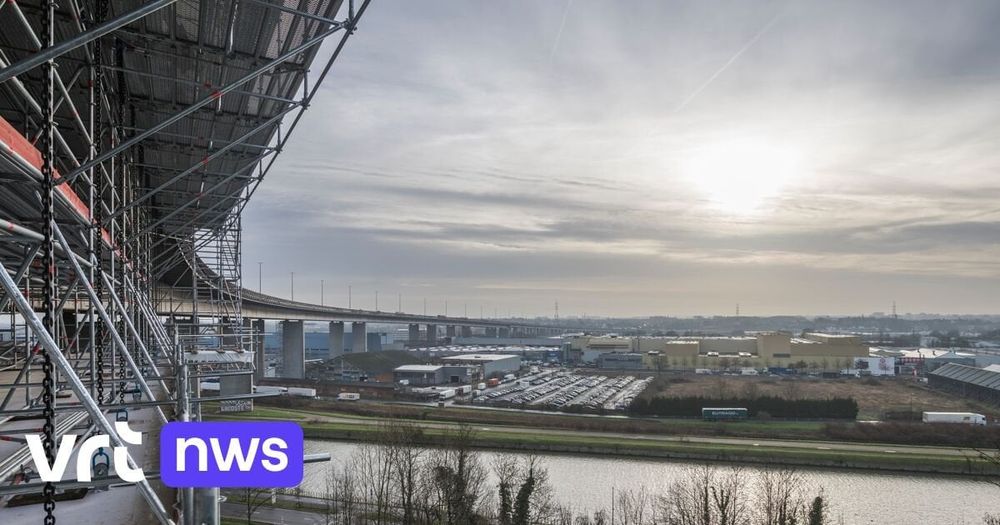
673 158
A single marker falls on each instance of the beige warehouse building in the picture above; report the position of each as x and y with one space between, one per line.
816 351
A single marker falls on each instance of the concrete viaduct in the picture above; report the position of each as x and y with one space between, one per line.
258 307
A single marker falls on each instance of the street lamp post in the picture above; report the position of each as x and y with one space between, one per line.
293 286
376 300
348 296
260 278
322 299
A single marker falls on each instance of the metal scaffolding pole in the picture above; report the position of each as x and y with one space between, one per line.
78 387
81 39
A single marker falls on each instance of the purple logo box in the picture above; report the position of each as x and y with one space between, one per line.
244 454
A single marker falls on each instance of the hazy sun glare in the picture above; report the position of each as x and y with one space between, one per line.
739 176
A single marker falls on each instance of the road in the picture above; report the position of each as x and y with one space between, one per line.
273 515
829 446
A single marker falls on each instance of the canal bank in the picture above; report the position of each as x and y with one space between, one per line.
795 453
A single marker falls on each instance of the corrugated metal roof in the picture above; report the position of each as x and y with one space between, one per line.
165 62
969 374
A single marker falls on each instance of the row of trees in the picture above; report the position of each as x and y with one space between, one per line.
392 479
690 406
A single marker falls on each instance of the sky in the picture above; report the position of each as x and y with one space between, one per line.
645 158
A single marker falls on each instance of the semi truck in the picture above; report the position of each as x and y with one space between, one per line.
348 396
446 394
720 414
964 418
465 389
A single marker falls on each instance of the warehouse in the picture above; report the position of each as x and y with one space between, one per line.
419 375
492 365
967 381
758 349
620 361
426 375
361 367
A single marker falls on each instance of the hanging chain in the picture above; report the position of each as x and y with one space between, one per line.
122 232
98 182
48 258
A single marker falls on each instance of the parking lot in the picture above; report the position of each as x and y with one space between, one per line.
563 390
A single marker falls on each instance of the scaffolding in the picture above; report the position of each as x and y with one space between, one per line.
132 135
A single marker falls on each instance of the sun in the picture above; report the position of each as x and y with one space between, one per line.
739 177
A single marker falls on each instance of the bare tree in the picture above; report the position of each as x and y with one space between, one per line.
341 489
779 500
505 468
372 465
632 507
459 477
406 460
729 498
255 498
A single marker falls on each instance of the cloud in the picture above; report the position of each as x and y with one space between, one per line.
451 148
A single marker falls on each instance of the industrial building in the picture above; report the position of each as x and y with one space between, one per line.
364 367
546 354
760 350
620 361
967 381
419 375
492 365
427 375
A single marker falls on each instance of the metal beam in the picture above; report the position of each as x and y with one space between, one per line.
84 38
95 412
197 105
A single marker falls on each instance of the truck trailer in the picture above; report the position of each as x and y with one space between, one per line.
348 396
964 418
301 392
719 414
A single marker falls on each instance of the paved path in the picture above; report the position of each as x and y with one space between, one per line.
273 515
831 446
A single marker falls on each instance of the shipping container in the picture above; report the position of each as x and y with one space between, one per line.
348 396
481 386
271 389
465 389
965 418
493 382
703 371
716 414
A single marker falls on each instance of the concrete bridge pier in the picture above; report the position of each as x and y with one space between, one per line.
432 334
414 334
253 329
336 339
359 337
504 331
466 331
293 349
449 331
491 331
